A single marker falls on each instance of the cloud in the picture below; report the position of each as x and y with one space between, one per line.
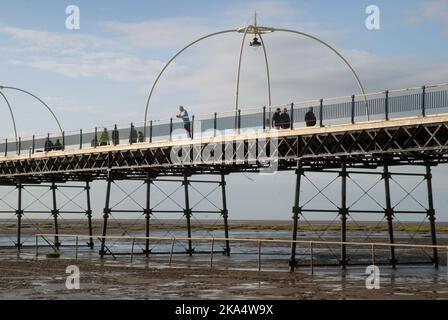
172 32
204 77
429 11
75 108
61 43
77 56
300 70
117 67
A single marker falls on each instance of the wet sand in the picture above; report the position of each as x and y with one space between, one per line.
45 279
80 226
232 278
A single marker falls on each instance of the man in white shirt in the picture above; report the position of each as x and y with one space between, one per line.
183 114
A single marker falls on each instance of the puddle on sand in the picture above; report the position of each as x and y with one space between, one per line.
211 294
178 283
254 285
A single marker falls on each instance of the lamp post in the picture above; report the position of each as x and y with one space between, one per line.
257 32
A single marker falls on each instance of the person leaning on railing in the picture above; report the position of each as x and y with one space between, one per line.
141 137
276 119
57 145
285 119
183 114
48 145
310 118
104 138
133 135
115 136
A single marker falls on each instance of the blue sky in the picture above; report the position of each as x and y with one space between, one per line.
101 74
109 64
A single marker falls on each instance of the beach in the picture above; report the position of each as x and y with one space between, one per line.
29 279
242 275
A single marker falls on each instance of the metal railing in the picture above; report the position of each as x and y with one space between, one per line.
419 101
309 244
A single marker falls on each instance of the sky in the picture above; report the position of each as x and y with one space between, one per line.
101 74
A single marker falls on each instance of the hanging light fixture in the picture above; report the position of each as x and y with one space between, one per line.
255 43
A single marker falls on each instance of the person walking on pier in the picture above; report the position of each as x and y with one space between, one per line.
310 118
104 138
277 119
285 119
183 114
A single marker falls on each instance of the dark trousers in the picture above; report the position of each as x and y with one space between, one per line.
187 128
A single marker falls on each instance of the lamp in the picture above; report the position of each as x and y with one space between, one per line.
255 43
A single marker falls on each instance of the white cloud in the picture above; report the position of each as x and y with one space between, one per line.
117 67
429 11
77 56
172 32
74 107
300 70
61 43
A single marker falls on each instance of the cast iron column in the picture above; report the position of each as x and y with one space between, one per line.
343 211
431 215
187 213
106 212
389 213
89 215
55 213
19 213
147 212
225 214
296 210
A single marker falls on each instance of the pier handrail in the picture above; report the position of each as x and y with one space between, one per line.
259 241
286 241
342 110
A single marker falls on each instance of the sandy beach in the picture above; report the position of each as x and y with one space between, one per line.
234 277
29 279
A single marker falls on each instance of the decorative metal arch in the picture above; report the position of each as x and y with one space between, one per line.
255 30
360 85
12 116
38 99
246 31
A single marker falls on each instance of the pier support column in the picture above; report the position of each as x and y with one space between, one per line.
187 213
389 213
343 211
106 212
431 215
55 213
148 213
89 215
19 213
296 210
225 214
